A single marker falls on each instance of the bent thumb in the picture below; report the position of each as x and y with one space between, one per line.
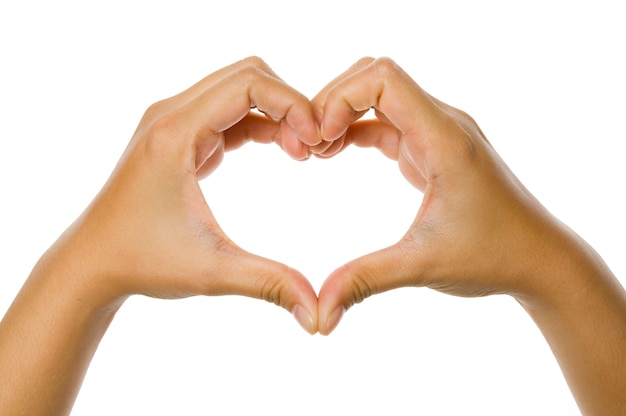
380 271
257 277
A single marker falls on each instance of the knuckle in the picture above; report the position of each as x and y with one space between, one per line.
153 112
163 135
165 126
362 286
465 117
249 75
254 61
254 66
366 60
273 291
386 66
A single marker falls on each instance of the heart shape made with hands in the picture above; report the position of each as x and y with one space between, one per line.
435 146
323 127
439 149
339 208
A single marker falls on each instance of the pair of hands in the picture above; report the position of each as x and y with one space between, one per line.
150 231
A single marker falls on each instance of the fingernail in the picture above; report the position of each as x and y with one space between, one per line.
304 318
324 136
334 319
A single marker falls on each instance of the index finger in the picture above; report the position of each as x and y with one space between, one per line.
381 85
224 104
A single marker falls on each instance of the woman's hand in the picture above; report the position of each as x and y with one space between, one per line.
150 232
478 231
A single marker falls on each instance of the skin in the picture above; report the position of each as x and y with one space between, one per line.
478 232
150 232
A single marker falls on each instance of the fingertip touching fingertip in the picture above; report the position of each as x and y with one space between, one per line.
305 319
323 134
301 155
328 135
333 320
307 132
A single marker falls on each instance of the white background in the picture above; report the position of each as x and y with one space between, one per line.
545 81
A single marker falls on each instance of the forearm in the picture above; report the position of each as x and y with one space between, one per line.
583 318
47 339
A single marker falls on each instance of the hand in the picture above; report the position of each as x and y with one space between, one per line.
478 231
150 230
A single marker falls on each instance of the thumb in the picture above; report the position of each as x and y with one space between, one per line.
250 275
383 270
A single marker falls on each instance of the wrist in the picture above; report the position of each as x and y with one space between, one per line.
580 307
72 270
50 333
565 270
